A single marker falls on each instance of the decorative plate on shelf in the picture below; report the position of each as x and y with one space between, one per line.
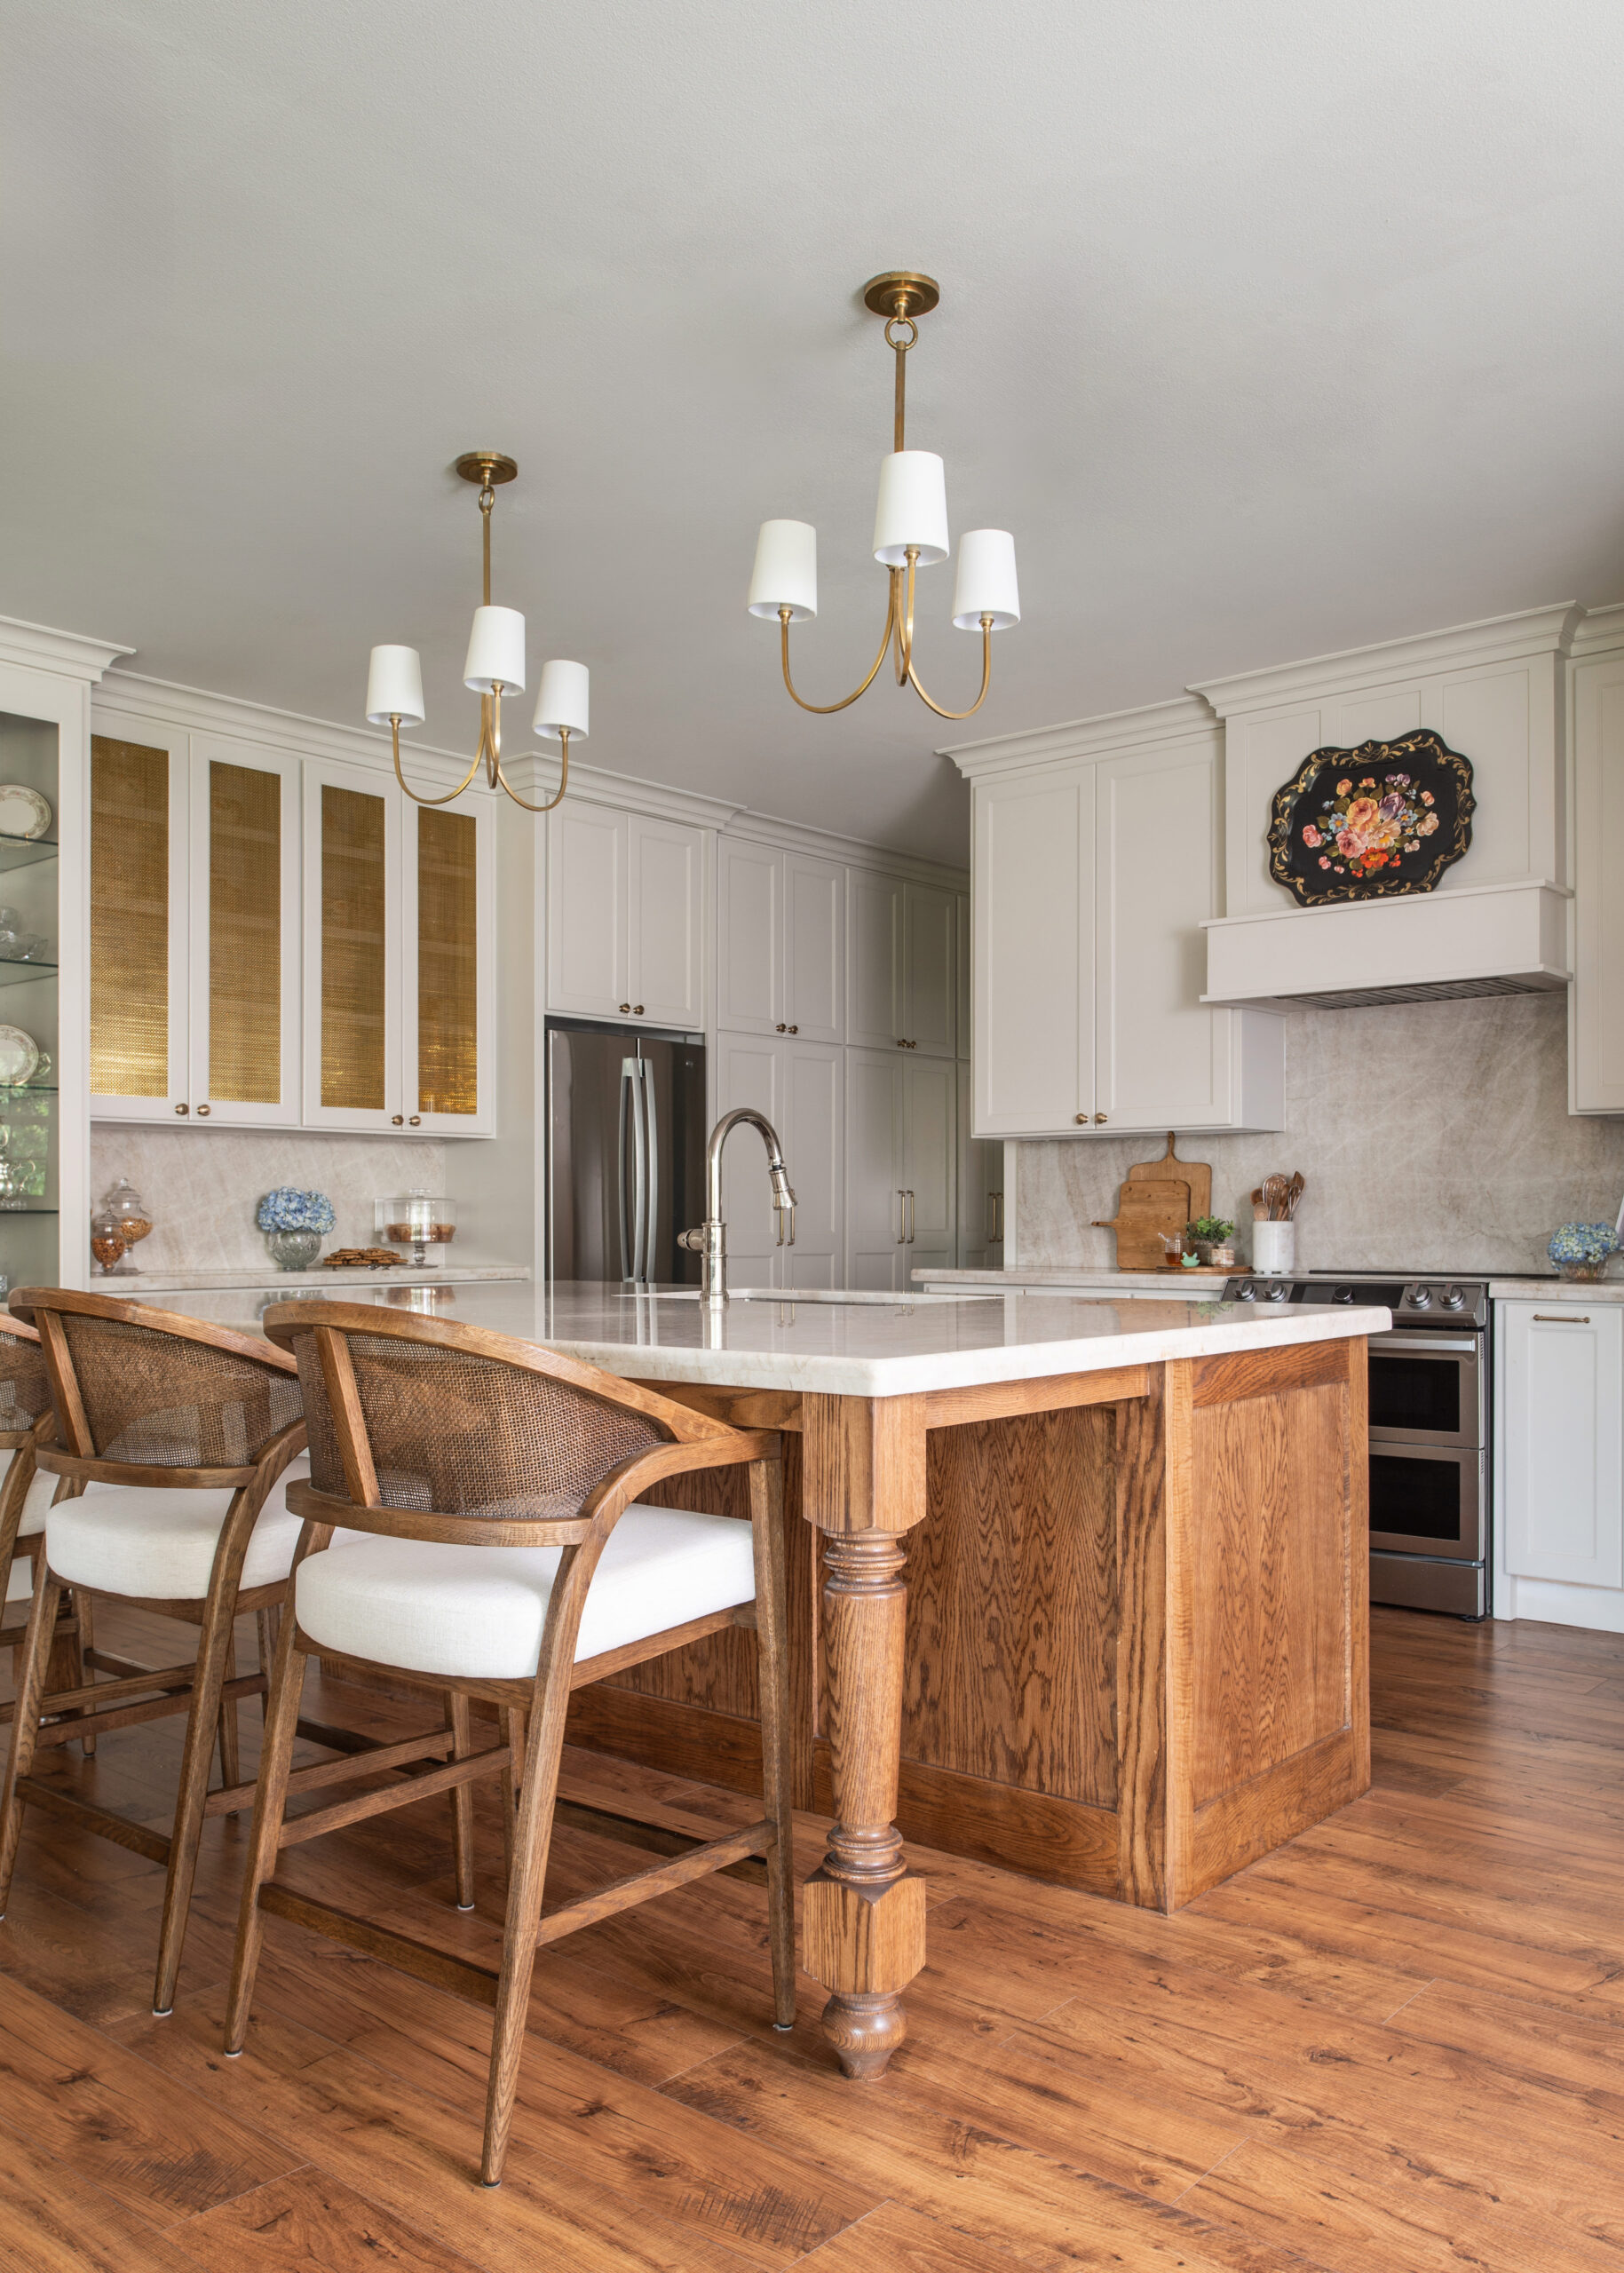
1365 823
19 1056
23 811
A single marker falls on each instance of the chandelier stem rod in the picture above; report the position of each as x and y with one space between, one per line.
900 350
488 498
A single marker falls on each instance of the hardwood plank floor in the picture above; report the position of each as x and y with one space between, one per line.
1396 2045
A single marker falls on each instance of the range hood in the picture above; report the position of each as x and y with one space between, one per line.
1437 946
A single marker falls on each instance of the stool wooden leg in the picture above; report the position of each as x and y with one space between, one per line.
458 1721
282 1714
214 1650
25 1725
87 1643
512 1783
231 1751
771 1640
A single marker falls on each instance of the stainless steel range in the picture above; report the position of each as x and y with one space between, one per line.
1429 1431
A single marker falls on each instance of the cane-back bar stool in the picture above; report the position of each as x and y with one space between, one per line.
487 1484
27 1422
177 1441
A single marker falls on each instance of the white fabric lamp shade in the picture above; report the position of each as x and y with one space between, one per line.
913 509
495 650
561 700
985 584
394 687
786 571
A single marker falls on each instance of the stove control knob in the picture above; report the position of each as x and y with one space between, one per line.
1421 1298
1279 1291
1248 1290
1455 1298
1342 1295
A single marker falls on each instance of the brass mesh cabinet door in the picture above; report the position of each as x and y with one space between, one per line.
447 965
352 933
245 941
133 877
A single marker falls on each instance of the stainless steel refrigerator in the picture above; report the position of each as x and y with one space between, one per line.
625 1152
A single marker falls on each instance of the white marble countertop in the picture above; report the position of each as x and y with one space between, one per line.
1556 1290
862 1345
1156 1284
138 1284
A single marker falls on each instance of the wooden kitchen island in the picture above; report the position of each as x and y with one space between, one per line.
1092 1595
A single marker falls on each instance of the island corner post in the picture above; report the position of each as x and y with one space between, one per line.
1171 1557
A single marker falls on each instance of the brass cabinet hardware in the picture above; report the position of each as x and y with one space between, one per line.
637 1009
183 1108
203 1111
1564 1317
900 1044
910 1219
625 1010
1083 1118
1099 1116
415 1122
397 1120
901 1219
795 1029
782 1027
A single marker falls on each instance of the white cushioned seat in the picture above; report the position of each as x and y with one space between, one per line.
157 1540
477 1612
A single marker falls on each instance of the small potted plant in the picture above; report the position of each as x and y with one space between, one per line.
294 1223
1213 1238
1581 1250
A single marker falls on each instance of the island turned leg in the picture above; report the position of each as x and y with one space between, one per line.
863 1920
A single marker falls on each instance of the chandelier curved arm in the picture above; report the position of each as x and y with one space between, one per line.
394 741
823 709
563 779
987 675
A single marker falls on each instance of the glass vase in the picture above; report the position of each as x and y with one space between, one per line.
294 1250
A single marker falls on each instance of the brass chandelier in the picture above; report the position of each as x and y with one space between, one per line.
495 666
910 531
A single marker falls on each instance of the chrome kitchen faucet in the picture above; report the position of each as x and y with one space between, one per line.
709 1240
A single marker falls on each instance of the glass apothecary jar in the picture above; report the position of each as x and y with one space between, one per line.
425 1222
107 1240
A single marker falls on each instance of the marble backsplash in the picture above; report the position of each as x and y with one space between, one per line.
202 1186
1433 1137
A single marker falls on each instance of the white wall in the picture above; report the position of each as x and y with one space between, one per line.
1433 1137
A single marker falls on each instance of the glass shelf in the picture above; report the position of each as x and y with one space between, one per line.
28 1090
14 972
22 852
5 1211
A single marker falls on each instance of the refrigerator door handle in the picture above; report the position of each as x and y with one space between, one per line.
629 1074
639 1138
651 1124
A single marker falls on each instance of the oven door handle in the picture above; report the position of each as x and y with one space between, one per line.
1457 1344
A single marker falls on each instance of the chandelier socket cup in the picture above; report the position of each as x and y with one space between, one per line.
901 292
562 701
786 571
913 510
495 650
986 582
394 687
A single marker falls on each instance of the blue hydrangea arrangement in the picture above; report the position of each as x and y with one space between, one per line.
1582 1243
288 1210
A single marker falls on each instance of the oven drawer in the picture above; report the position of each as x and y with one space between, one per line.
1427 1388
1427 1498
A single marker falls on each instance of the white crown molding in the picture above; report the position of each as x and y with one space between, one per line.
535 775
1496 638
69 653
845 851
1186 719
1602 632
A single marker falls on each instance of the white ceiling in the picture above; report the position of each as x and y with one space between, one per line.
1267 329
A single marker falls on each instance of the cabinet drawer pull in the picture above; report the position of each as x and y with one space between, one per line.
1560 1318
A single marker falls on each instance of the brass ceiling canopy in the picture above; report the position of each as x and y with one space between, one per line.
488 468
901 292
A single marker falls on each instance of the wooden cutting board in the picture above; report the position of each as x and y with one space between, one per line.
1145 1210
1171 1168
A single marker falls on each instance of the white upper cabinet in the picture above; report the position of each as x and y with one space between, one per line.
1094 868
1560 1395
903 980
449 967
625 915
782 928
194 929
352 916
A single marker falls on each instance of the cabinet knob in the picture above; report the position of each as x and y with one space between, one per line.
625 1010
203 1111
397 1119
1099 1116
637 1009
183 1108
415 1122
795 1029
782 1027
1084 1119
900 1044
